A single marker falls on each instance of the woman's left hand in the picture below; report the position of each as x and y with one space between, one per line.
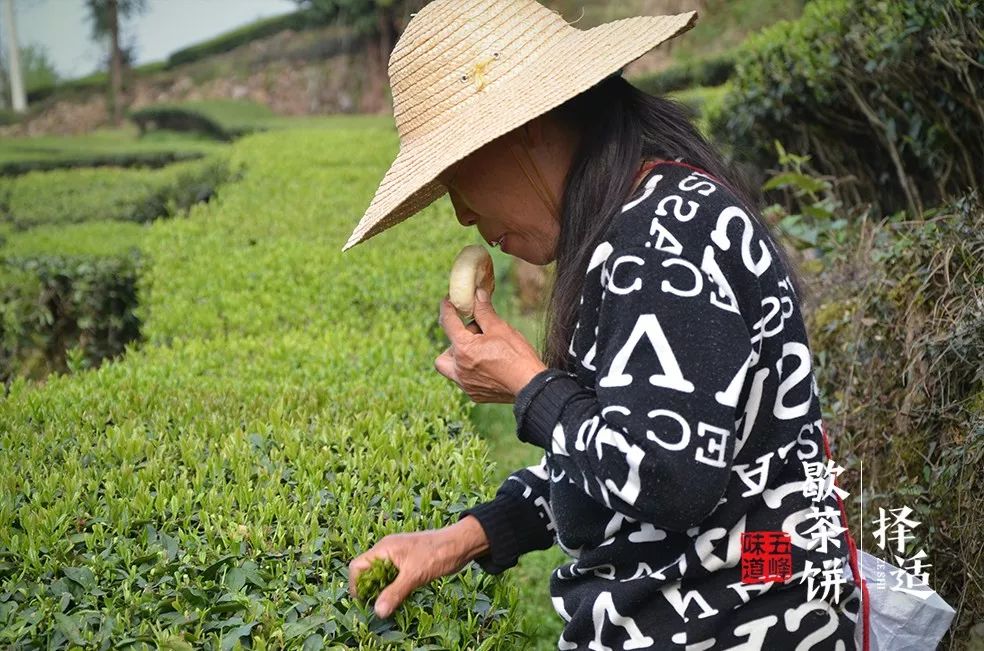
491 365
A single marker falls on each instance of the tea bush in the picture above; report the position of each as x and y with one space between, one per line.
210 487
94 239
112 159
71 302
704 102
228 119
118 148
67 288
711 71
19 352
898 326
71 196
847 82
219 119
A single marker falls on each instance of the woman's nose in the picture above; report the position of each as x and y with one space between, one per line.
466 218
464 215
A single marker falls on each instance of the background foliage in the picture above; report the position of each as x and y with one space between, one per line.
899 337
848 83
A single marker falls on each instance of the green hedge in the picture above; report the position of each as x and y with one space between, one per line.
94 239
712 71
899 332
69 294
8 116
20 315
888 92
84 86
132 159
70 196
70 288
297 20
704 102
284 414
219 119
117 148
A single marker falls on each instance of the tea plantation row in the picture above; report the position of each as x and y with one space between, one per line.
209 488
69 258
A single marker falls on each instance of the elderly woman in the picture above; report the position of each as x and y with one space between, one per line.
684 467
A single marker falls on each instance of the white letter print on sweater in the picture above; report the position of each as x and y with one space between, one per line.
692 406
648 325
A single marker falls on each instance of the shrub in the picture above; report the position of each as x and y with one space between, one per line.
67 288
96 239
70 196
128 159
95 82
704 102
219 119
282 416
848 83
8 116
712 71
99 149
297 20
19 311
899 335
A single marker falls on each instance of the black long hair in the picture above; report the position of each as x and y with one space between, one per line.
619 125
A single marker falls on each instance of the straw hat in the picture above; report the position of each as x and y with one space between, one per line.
465 72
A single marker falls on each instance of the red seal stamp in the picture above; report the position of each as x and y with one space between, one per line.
766 556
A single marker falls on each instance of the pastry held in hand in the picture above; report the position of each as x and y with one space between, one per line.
471 269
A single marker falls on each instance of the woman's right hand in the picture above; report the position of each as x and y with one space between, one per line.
420 557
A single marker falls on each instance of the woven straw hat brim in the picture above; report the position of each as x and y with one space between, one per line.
569 66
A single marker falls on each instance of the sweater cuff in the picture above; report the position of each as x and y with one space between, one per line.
513 527
539 404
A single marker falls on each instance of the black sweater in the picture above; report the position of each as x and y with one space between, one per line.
686 421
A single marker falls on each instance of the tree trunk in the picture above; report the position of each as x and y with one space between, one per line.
372 89
387 39
379 46
115 63
18 98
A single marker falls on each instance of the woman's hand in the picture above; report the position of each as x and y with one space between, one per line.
420 557
490 365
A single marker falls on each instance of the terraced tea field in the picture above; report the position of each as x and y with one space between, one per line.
278 416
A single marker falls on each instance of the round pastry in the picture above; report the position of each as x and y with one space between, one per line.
471 269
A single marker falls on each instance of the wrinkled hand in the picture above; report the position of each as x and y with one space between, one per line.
420 556
490 362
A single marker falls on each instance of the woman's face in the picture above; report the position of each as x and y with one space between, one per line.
490 191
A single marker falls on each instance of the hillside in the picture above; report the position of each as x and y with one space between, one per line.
295 67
